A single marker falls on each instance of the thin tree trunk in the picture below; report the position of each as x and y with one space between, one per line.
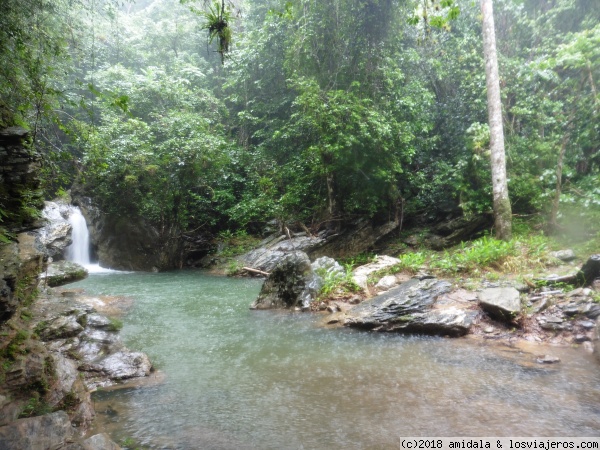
502 208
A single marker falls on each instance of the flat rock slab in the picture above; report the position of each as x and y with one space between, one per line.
411 308
500 303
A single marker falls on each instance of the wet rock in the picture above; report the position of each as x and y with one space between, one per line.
564 255
100 442
49 431
292 283
60 328
386 283
63 272
361 274
99 321
548 359
409 308
500 303
125 364
55 236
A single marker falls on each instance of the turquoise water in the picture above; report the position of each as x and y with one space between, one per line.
236 378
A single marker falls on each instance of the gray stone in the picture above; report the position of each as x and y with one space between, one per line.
361 274
125 364
500 303
61 327
386 283
100 442
55 235
328 267
564 255
409 308
47 432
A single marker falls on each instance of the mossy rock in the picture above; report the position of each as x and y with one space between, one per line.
64 272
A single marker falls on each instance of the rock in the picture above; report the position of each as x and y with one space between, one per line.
589 271
542 305
579 338
489 330
328 267
386 283
548 359
455 231
100 442
55 235
60 328
20 265
63 272
125 364
564 255
592 311
49 431
409 308
588 347
587 324
500 303
361 274
267 258
358 237
292 283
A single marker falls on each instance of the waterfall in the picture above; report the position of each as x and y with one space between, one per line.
79 250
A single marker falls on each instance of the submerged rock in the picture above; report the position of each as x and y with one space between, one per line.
411 308
292 283
500 303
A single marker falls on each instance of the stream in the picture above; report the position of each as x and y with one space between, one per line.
236 378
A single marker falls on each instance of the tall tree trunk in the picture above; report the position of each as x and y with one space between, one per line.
559 171
502 208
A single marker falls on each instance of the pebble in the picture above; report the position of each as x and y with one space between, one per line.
488 330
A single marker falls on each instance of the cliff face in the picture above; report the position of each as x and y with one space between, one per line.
21 259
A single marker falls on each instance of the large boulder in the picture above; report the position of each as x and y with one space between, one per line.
55 235
500 303
411 308
292 283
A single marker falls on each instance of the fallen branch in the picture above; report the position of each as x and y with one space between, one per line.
260 272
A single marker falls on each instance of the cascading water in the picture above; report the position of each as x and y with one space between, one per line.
79 250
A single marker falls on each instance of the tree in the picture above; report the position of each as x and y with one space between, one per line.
502 208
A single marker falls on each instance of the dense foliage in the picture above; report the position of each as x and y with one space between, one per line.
321 112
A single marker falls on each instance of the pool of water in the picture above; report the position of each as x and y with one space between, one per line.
236 378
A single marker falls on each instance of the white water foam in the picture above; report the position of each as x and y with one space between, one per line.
79 251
